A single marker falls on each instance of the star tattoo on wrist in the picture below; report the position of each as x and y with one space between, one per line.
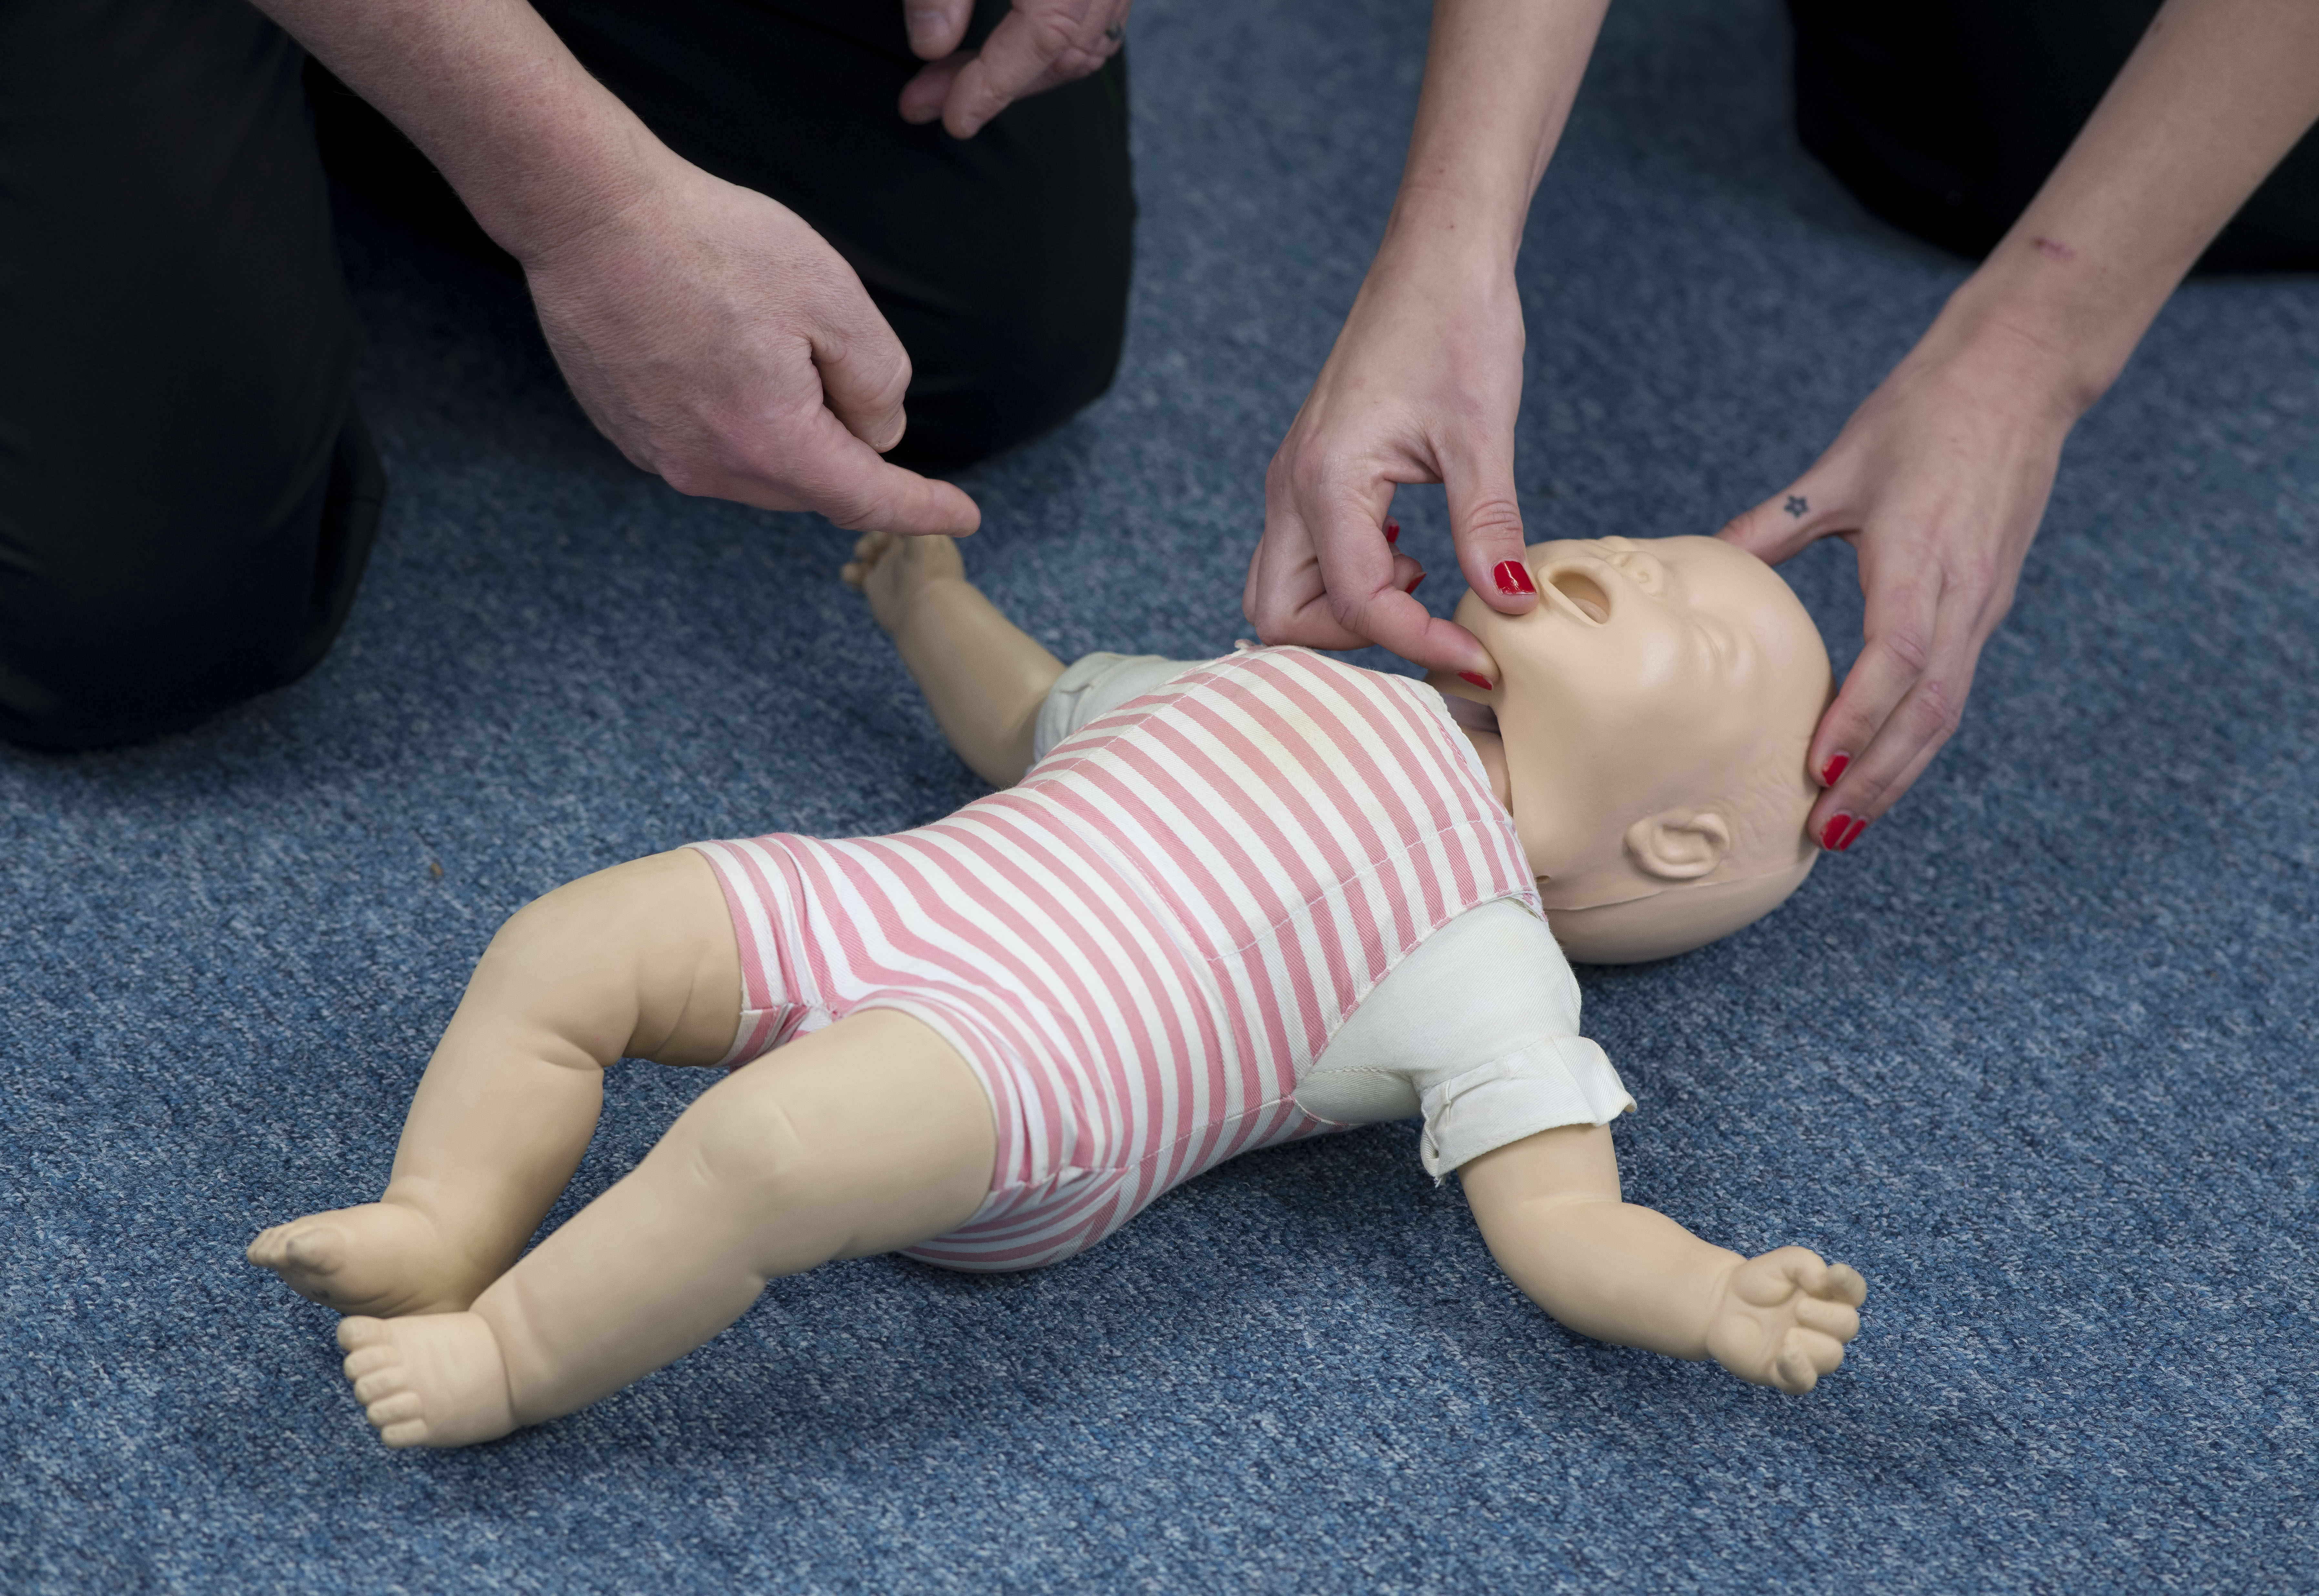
1796 506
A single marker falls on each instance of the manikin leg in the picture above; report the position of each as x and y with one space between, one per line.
639 961
868 1136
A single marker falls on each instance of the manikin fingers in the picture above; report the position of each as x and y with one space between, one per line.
1833 1319
1804 1357
1776 1276
1795 1373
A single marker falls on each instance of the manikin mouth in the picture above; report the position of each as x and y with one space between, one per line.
1580 595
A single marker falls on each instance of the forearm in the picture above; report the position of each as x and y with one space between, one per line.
1500 78
1613 1271
1548 1208
539 149
2215 95
984 677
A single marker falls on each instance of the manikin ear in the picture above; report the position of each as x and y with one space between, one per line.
1679 845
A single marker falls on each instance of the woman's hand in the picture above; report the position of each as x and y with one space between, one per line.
1421 387
1425 379
1939 481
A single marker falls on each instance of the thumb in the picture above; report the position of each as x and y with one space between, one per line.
864 373
1485 520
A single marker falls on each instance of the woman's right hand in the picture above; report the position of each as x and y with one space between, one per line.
1421 387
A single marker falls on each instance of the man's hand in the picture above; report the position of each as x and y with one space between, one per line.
1939 481
711 334
722 344
1040 44
1421 387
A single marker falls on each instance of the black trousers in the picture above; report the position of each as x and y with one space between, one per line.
187 495
1946 116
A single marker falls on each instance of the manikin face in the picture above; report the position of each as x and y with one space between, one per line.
1656 708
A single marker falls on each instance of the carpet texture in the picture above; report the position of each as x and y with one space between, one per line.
2038 1057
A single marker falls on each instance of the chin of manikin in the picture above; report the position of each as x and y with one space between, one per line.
1656 708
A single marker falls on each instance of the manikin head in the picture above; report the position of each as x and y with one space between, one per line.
1656 708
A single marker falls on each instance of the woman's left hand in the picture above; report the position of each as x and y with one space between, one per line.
1939 481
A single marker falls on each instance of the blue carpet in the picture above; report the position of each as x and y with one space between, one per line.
2038 1057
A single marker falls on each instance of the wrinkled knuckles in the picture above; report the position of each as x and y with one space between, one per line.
1271 615
1935 713
1350 612
1494 518
1052 33
1908 646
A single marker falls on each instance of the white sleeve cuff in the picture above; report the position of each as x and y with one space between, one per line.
1560 1080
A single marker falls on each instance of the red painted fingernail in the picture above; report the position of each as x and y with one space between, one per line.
1835 770
1481 681
1513 579
1852 836
1393 531
1831 835
1413 582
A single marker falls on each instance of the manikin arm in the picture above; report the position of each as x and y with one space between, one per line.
1548 1207
984 677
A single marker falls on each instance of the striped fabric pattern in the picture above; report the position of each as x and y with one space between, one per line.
1141 947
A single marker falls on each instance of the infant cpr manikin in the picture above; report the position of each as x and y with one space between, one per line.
1257 898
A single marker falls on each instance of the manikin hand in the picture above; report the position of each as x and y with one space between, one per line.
722 344
1421 387
1039 45
1938 481
1783 1317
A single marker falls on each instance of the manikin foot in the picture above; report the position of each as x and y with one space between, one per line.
437 1380
890 570
1784 1318
380 1258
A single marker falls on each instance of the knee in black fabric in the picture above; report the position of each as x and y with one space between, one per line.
1944 117
185 499
1027 329
138 630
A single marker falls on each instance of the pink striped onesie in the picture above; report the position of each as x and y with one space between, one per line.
1142 946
